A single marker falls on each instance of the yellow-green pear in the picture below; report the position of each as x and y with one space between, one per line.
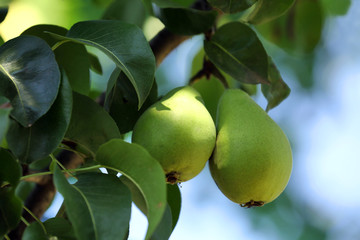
179 132
252 160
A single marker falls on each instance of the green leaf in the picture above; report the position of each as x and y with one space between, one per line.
335 7
277 91
164 229
90 124
172 3
3 13
299 30
4 122
10 204
74 59
23 189
126 10
187 21
174 201
34 232
60 228
42 138
122 102
265 10
232 6
42 31
143 170
95 204
236 49
95 64
125 44
29 77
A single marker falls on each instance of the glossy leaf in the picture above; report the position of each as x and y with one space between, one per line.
265 10
187 21
299 30
125 44
90 124
42 31
232 6
277 91
122 102
10 204
143 170
4 122
42 138
29 77
236 49
95 204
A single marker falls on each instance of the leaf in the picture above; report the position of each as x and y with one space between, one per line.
265 10
174 201
125 44
42 31
34 232
74 59
236 50
3 13
90 125
95 64
164 229
29 77
187 21
232 6
126 10
95 204
299 30
4 122
60 228
10 204
277 91
143 170
335 7
42 138
172 3
122 102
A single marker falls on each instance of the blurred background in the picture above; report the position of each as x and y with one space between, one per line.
321 65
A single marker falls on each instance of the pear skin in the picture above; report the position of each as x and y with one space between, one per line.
179 132
252 160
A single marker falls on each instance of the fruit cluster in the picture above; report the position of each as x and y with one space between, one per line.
250 156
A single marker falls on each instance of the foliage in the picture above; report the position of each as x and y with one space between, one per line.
46 108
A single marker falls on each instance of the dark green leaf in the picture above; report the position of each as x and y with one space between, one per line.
34 232
42 31
10 204
172 3
299 30
90 124
60 228
232 6
95 63
74 59
143 170
187 21
236 49
29 77
98 205
164 229
174 201
125 44
277 91
265 10
4 121
23 189
131 11
122 102
42 138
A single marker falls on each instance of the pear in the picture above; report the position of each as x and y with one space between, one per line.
252 160
179 132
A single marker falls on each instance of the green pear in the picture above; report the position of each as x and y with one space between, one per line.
179 132
252 160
